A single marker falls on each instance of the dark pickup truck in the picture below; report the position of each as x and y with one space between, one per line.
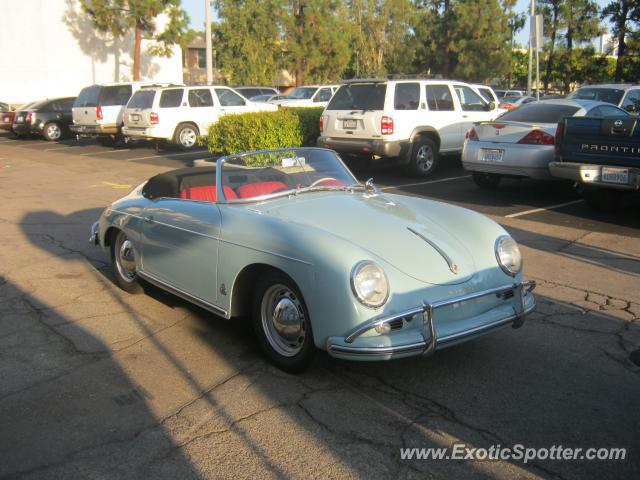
602 155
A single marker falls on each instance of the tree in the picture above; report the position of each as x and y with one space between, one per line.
119 17
552 24
621 13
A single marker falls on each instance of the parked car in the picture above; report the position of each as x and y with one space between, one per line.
602 155
266 98
520 143
413 121
625 96
509 103
249 92
285 237
49 118
97 112
180 114
308 96
7 118
509 93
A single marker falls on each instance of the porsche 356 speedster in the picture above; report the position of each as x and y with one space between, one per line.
315 258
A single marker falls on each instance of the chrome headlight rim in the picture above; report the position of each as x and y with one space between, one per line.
354 289
496 250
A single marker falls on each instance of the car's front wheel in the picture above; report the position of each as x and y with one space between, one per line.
123 262
486 180
52 131
281 322
424 158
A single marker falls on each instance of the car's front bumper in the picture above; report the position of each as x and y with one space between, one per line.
381 148
425 340
94 238
591 174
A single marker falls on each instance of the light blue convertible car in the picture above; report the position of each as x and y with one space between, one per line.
317 259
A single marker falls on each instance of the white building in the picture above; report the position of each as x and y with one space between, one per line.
49 48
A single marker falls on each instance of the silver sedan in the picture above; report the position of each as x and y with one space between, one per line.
520 143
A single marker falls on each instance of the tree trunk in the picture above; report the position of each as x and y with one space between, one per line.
554 31
622 32
568 68
136 53
300 33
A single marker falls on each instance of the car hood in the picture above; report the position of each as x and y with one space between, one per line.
414 240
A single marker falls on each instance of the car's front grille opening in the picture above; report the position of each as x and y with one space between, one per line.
396 324
506 295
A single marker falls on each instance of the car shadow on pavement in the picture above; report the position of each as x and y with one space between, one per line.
564 378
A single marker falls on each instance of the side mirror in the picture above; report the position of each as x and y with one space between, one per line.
490 106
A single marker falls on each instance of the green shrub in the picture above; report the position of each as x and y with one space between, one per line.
287 127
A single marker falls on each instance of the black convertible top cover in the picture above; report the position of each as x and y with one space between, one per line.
170 184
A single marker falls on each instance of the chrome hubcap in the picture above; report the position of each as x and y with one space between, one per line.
283 320
425 158
188 137
53 131
126 258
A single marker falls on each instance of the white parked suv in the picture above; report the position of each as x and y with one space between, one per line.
181 114
308 96
97 111
411 120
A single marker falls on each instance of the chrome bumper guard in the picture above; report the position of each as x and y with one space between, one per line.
94 239
427 310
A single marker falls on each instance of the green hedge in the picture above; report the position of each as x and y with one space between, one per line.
287 127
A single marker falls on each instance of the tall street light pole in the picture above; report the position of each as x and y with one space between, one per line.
207 40
531 30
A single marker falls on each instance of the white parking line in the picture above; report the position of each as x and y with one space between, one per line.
427 182
169 155
551 207
60 148
105 152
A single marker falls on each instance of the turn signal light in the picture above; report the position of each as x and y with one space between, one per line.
386 126
153 118
99 112
537 137
507 106
471 135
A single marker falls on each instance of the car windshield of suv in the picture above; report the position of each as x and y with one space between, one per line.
302 93
289 171
540 113
609 95
88 97
142 99
359 96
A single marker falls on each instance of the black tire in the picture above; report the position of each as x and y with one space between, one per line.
486 180
289 346
126 278
186 136
424 158
52 132
603 199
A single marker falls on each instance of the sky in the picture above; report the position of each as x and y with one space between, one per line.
195 9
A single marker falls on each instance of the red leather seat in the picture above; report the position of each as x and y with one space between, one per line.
206 193
260 188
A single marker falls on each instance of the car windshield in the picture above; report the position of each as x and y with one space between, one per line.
142 99
249 92
302 93
609 95
359 96
256 175
540 113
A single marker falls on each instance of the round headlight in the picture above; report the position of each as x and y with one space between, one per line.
508 255
369 284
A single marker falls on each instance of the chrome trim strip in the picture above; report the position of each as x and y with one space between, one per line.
184 229
452 265
182 294
412 347
428 308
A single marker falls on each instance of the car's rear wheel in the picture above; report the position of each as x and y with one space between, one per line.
281 322
424 158
186 136
123 262
52 131
486 180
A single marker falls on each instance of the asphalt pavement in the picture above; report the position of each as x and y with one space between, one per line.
97 383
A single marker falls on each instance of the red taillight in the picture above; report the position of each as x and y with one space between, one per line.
99 112
321 123
153 118
124 116
29 117
386 126
506 106
559 135
537 137
471 135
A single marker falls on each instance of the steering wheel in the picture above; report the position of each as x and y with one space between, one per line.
320 180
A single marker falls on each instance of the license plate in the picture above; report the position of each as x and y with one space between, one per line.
350 124
135 117
615 175
491 155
